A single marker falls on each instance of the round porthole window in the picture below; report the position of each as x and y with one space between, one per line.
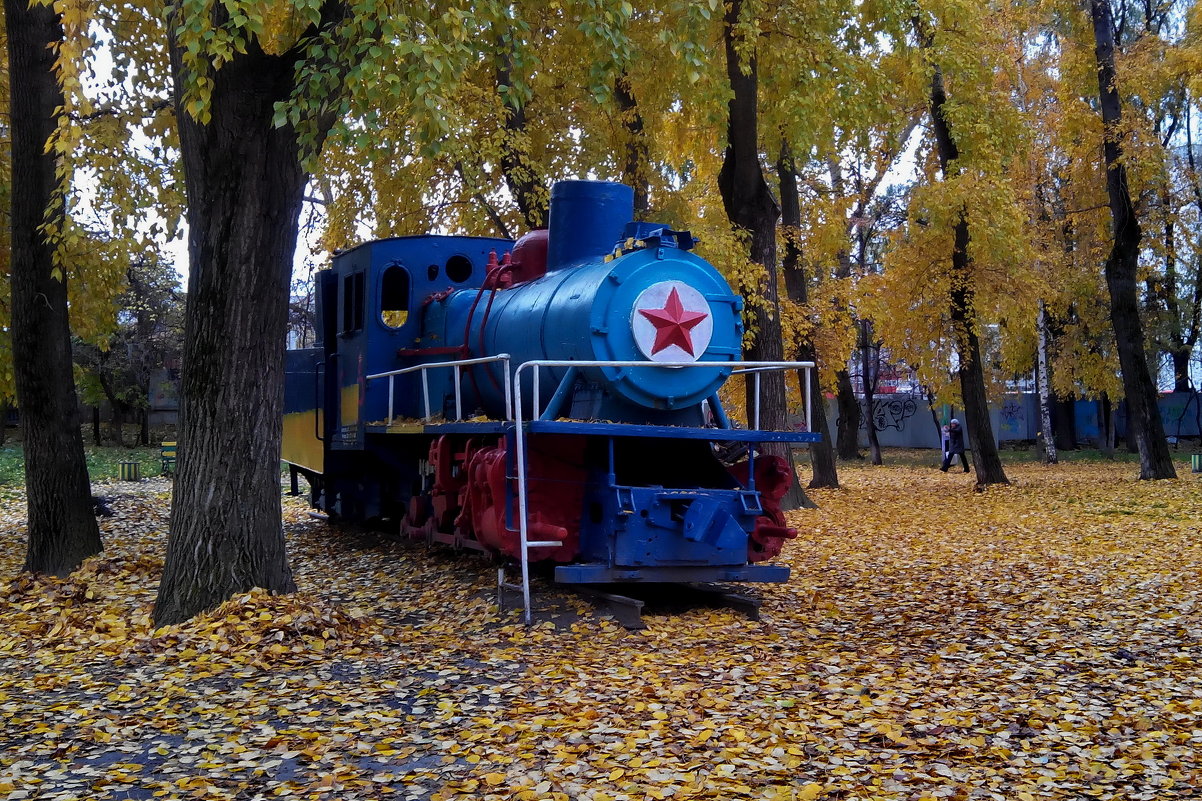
459 269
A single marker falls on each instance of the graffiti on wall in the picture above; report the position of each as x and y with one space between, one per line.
889 412
1013 418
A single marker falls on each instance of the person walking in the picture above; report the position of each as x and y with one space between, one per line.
954 446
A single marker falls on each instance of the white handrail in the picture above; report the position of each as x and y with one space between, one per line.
455 365
520 434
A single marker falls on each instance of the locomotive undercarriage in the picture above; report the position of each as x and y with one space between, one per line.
622 509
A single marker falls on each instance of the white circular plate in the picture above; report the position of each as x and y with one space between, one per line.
671 322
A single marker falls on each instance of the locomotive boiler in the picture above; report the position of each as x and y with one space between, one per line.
553 399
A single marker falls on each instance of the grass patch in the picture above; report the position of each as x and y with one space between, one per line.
103 463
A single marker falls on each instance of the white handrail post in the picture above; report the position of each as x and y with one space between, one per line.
535 413
390 393
508 389
426 394
809 402
458 403
523 533
756 375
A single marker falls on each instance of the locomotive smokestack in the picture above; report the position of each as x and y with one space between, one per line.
587 220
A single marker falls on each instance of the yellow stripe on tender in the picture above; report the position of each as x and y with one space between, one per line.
301 446
350 405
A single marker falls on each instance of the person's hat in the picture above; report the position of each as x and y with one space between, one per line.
955 422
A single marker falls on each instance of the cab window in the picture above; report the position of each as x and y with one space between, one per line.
352 303
394 296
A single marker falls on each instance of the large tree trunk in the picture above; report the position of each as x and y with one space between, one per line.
244 183
750 206
822 454
1043 375
986 459
1143 414
62 529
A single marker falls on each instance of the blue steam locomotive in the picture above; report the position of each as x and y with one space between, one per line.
550 399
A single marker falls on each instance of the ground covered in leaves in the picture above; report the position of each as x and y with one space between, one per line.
1029 642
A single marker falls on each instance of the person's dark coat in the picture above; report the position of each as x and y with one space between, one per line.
955 440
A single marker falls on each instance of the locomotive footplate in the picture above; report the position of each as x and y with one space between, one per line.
603 574
628 603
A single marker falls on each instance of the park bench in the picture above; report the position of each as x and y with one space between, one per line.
167 454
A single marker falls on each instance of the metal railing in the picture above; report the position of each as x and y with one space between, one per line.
754 368
456 366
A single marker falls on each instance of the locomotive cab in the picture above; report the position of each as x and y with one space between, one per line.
368 310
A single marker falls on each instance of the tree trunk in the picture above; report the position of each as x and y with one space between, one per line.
1064 422
62 529
524 181
97 440
986 460
822 454
849 418
1143 413
868 371
1106 432
930 398
848 422
244 183
751 207
1181 356
1043 375
636 166
1179 352
118 423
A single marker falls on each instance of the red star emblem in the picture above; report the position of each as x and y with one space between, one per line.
673 324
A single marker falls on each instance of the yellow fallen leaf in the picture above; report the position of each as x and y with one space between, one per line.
809 791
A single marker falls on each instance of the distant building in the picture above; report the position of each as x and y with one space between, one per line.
164 396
